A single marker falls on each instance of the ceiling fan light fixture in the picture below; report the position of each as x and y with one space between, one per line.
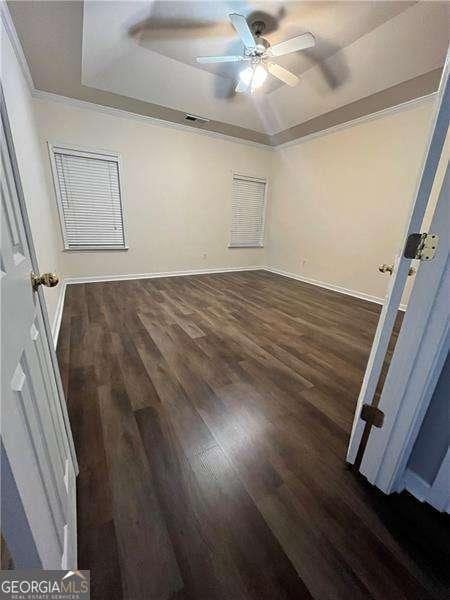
257 51
253 77
246 75
259 77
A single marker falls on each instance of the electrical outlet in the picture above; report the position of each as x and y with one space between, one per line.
303 262
204 255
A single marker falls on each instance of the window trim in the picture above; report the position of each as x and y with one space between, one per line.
250 177
100 154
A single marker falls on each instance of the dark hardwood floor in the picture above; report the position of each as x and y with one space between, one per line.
211 416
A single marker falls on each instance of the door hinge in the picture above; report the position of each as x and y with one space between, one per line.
421 246
372 415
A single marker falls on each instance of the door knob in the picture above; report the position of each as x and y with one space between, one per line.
386 269
47 279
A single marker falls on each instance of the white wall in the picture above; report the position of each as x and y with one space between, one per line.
177 188
340 201
29 158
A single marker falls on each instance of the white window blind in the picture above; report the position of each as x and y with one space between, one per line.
248 212
89 198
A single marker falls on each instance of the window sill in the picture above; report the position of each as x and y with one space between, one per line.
243 246
97 249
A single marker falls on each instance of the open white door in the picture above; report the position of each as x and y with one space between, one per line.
416 365
400 274
38 461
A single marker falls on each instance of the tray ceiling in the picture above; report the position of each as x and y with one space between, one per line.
140 56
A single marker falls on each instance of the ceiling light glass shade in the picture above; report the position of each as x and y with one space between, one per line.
259 77
246 75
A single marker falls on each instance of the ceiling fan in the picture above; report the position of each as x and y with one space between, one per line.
258 52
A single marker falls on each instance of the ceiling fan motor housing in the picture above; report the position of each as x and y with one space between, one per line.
261 46
258 28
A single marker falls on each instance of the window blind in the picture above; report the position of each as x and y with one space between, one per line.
89 199
248 212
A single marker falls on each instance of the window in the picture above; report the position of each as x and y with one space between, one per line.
88 192
248 208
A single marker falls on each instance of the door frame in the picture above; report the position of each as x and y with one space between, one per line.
42 307
417 362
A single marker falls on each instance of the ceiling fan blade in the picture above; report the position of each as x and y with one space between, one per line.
283 74
220 59
240 24
301 42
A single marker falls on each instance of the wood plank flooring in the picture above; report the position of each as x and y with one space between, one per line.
211 417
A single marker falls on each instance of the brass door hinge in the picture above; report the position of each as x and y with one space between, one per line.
372 415
421 246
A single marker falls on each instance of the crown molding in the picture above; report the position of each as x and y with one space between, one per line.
15 42
408 105
120 112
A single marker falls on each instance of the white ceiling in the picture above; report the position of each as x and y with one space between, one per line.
365 47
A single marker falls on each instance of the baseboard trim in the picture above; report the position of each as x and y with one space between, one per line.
59 312
155 275
415 485
330 286
100 278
